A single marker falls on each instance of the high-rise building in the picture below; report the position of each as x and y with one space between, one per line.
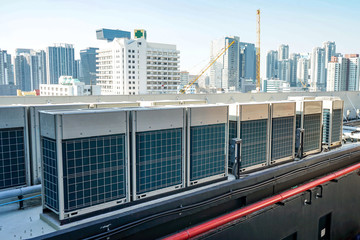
284 70
22 72
77 69
343 73
272 69
294 57
6 68
283 52
30 69
247 60
302 71
38 68
88 66
137 67
353 72
334 74
330 51
184 77
318 80
110 34
59 62
224 73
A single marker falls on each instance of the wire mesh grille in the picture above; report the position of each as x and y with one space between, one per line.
94 171
254 136
336 125
159 159
326 125
282 138
298 121
207 151
12 158
312 126
232 129
51 192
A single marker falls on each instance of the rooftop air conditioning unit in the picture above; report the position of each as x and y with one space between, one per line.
250 123
207 140
14 147
85 161
34 119
333 109
158 151
309 118
283 120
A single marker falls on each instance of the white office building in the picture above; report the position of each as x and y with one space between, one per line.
330 51
284 70
272 69
353 72
69 86
302 71
283 52
129 67
318 79
275 86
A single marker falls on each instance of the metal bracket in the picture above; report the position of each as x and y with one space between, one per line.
308 201
319 194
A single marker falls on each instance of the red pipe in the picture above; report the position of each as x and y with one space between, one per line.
217 222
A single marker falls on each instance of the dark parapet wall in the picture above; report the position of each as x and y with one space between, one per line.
337 198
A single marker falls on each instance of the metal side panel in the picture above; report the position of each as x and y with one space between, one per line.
47 125
312 107
93 124
283 109
254 111
206 115
12 117
158 118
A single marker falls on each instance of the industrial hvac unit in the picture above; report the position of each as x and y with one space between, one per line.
34 126
283 120
332 121
309 118
207 140
158 151
85 160
14 147
250 123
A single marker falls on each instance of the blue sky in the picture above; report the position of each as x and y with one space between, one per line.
191 25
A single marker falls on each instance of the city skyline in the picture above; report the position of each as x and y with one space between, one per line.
189 25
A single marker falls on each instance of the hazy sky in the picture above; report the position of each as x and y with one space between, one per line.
190 24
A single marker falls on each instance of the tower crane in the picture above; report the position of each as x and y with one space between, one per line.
222 51
258 52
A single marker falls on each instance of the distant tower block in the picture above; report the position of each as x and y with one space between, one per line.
139 33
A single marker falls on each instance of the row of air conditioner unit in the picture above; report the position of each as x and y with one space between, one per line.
20 161
97 159
263 134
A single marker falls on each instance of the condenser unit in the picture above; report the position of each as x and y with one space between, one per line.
207 140
34 125
158 151
309 118
283 120
85 160
14 147
251 123
332 120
